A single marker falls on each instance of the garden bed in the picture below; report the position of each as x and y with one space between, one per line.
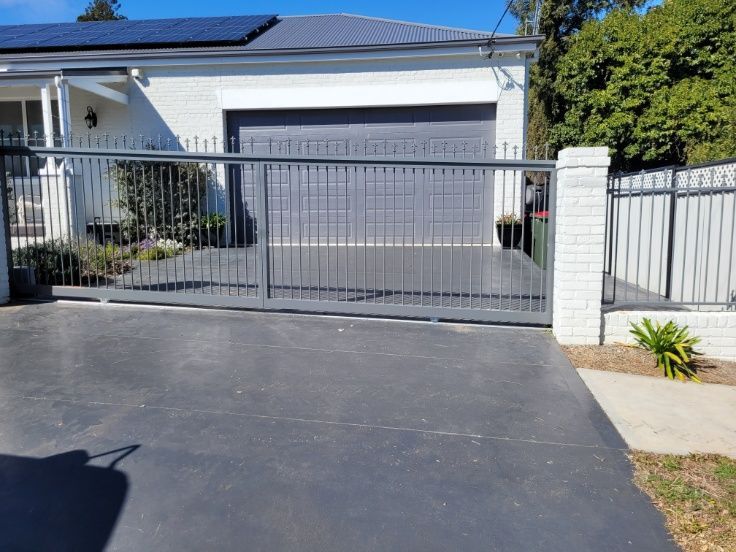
695 493
632 360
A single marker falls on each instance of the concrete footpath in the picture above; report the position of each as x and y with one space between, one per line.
660 415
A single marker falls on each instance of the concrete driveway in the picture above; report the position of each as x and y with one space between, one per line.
263 431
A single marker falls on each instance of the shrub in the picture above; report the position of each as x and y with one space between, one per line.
671 345
213 221
54 262
152 250
160 199
103 260
60 262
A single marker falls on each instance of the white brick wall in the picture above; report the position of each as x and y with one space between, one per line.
717 330
185 101
579 244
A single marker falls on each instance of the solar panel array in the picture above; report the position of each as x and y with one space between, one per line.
132 33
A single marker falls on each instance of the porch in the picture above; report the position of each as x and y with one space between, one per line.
36 109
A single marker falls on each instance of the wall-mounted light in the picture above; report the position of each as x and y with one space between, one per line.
90 118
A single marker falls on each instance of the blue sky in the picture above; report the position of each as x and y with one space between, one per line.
472 14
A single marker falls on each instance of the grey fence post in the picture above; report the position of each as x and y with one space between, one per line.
579 244
6 259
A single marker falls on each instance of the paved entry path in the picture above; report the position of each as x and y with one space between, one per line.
641 409
263 431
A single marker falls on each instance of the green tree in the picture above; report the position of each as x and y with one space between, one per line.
559 20
657 88
102 10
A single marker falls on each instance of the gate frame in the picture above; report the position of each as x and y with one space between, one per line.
263 301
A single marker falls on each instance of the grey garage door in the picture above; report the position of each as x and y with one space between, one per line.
322 205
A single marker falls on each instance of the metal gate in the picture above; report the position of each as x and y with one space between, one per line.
419 237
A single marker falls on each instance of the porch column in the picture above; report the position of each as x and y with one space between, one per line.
62 89
48 124
56 181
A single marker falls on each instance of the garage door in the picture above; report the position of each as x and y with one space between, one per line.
327 205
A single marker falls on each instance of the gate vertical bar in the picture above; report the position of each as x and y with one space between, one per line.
262 229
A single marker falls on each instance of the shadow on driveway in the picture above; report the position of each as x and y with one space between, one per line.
60 502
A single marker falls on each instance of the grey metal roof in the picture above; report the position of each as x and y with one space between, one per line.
297 34
345 30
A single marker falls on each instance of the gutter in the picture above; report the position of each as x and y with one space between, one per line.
500 43
31 74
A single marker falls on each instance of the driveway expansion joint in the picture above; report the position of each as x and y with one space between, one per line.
315 421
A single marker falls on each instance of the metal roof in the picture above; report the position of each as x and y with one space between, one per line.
344 30
284 34
132 33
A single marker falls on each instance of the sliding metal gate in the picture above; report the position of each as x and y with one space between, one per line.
363 235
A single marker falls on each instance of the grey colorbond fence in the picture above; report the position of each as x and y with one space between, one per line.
670 237
407 237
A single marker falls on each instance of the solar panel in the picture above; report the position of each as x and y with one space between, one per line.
132 33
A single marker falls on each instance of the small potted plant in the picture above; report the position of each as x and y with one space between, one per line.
509 230
213 226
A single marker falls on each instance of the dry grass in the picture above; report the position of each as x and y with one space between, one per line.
632 360
696 494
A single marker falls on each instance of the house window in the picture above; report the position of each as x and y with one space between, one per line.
25 118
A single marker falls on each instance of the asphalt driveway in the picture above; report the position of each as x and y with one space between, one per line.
264 431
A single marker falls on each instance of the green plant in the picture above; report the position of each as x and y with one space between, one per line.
213 221
672 346
54 262
508 218
103 260
160 200
59 262
157 252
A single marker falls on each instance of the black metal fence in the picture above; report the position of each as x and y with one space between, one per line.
670 237
414 236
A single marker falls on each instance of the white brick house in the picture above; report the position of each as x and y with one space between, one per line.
469 89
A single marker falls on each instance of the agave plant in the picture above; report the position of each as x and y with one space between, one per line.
670 344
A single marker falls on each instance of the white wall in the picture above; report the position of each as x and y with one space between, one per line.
187 101
717 330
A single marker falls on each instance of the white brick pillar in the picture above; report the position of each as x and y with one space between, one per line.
579 244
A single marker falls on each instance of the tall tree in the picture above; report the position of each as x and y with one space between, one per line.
656 88
102 10
559 20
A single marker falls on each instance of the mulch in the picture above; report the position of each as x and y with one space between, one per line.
632 360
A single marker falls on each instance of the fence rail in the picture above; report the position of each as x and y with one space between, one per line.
319 147
670 237
362 234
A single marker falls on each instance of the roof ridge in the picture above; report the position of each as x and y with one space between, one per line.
387 20
413 23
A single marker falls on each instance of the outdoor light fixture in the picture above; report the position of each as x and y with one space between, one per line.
90 118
